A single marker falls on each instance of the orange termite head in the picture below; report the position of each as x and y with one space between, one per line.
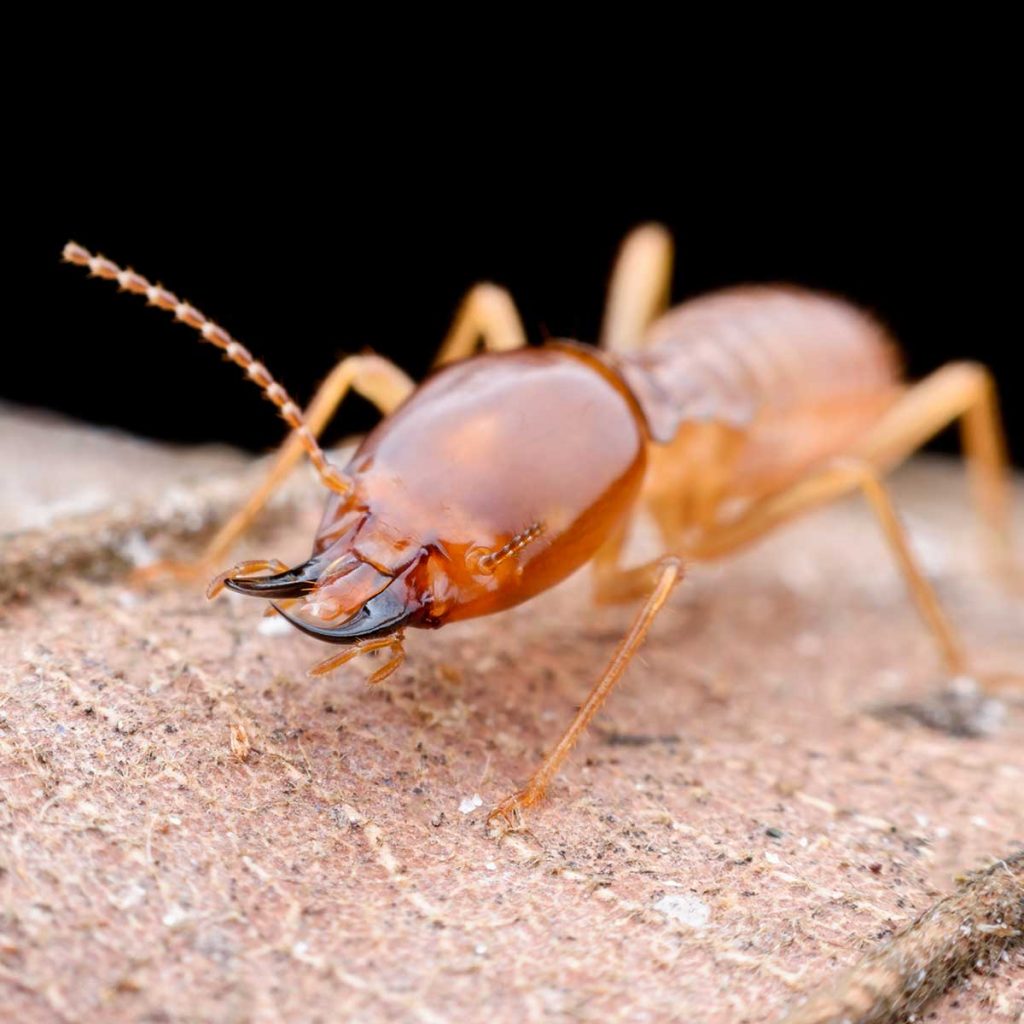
496 479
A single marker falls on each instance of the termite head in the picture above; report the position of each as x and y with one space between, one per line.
368 578
498 478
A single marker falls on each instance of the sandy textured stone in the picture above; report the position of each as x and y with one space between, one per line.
191 829
94 502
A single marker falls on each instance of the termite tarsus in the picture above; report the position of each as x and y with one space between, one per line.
507 470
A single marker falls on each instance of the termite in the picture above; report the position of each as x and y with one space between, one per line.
509 469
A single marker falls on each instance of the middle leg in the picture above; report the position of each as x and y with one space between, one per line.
488 314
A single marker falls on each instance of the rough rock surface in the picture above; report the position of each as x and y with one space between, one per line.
191 829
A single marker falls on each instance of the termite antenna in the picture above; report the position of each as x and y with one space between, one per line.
128 280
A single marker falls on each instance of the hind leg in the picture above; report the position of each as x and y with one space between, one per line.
615 585
842 477
964 392
960 391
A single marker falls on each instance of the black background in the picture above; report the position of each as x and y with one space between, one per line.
306 257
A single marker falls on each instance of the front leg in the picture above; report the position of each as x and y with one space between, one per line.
510 809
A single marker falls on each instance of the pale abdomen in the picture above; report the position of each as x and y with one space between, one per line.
793 377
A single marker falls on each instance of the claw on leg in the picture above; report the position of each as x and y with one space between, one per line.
508 815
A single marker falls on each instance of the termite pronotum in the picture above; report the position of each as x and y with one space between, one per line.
507 470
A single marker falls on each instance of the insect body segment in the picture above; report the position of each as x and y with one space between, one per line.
471 528
505 472
747 353
746 388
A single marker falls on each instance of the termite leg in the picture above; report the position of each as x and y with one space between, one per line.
841 477
639 289
488 314
373 377
612 583
965 392
618 586
510 809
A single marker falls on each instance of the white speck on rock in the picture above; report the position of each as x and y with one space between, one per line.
931 547
274 625
964 686
136 550
685 908
175 916
470 803
132 896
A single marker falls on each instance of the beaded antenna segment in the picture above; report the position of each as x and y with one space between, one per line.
130 281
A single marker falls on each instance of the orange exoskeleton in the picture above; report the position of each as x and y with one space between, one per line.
507 470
